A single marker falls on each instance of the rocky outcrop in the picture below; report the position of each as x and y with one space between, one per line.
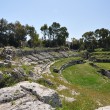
28 96
45 95
101 71
8 53
68 99
105 72
1 75
16 75
93 65
61 87
104 108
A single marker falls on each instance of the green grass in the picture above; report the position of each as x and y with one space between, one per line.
104 65
36 48
7 68
42 48
101 56
86 76
94 88
62 61
27 68
102 52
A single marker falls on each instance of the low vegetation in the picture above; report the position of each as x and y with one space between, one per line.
104 65
83 78
63 61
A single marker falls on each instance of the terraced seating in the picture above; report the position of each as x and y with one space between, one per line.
65 54
46 55
24 59
40 57
32 58
56 55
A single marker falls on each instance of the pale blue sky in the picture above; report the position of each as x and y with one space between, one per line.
78 16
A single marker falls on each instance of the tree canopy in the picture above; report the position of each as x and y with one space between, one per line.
100 38
54 35
14 34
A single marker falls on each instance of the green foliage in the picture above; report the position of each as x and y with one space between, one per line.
104 65
83 78
54 35
100 38
92 86
63 61
14 34
27 68
43 81
100 56
7 81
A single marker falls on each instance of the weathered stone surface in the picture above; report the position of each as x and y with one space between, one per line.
48 82
104 108
94 65
28 96
1 75
68 99
8 53
44 94
67 65
74 92
56 70
5 64
64 54
26 103
61 87
11 93
34 76
2 64
105 72
18 73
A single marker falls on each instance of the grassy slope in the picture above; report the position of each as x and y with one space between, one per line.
94 89
104 65
62 61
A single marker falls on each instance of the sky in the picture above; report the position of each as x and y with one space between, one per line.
79 16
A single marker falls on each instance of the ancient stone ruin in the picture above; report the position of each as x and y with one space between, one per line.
7 54
28 96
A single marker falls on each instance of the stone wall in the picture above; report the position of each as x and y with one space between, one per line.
21 53
74 62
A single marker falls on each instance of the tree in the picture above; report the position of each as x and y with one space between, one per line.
34 41
20 34
89 40
55 28
3 32
11 34
56 34
103 37
44 30
62 36
75 44
14 34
